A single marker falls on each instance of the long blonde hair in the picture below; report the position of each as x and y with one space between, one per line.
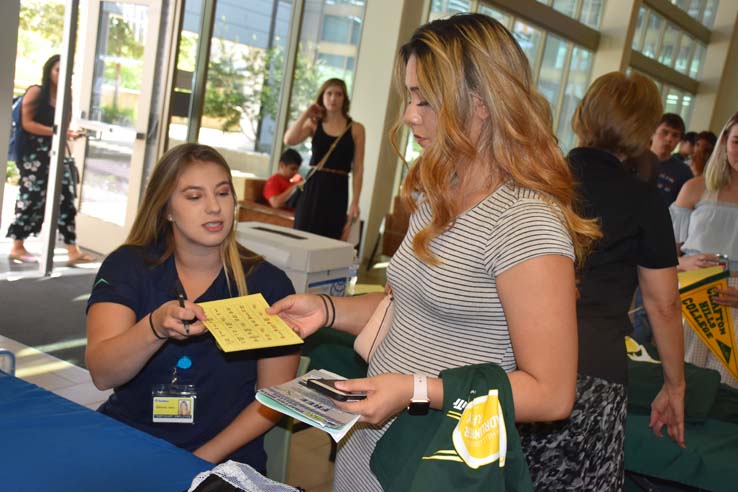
152 228
469 58
717 170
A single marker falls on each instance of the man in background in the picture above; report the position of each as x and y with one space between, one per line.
673 173
703 147
280 187
686 146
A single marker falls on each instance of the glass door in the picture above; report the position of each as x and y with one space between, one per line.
117 71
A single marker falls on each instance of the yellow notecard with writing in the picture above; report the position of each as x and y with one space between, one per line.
240 323
712 322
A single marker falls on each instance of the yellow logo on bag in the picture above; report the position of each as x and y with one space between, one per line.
480 437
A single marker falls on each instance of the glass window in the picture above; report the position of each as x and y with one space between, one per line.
708 19
638 34
529 39
355 31
336 29
686 45
672 100
500 16
591 13
440 9
245 70
336 61
552 64
686 109
669 44
577 82
695 9
185 75
119 66
697 58
701 10
653 34
566 7
327 61
676 101
116 85
316 61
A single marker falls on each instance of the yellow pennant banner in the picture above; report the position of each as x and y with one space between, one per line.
712 322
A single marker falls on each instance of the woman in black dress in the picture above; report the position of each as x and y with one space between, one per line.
37 120
322 206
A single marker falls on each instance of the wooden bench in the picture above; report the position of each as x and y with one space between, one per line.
255 208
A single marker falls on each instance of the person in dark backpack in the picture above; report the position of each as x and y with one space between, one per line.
34 135
16 132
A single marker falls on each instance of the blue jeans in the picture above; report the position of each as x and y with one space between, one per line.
641 327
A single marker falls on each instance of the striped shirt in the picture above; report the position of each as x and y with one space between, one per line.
450 315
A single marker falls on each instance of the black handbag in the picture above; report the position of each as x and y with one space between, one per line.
71 165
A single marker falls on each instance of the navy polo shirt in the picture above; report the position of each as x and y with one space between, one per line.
225 383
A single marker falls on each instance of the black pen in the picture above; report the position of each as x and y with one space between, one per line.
181 297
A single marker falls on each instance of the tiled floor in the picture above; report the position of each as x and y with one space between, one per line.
14 269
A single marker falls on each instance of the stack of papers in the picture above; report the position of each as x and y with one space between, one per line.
305 404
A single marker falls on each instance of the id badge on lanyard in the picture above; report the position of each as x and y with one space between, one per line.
174 403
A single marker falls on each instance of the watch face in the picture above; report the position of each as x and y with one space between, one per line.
418 407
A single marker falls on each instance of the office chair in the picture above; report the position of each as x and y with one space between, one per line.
277 440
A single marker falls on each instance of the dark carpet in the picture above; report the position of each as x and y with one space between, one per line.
47 314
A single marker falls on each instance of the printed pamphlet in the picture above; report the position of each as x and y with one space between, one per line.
305 404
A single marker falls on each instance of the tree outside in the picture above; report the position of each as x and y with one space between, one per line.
122 68
40 30
244 86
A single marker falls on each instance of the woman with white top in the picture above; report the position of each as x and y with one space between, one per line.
705 218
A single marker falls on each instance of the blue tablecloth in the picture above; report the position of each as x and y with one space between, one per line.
48 443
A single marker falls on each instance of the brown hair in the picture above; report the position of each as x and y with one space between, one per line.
462 60
717 171
338 83
619 114
151 227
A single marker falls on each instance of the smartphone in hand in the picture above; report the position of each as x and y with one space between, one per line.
328 388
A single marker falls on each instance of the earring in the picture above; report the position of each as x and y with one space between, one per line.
170 218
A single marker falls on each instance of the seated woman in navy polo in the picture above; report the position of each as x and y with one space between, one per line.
156 354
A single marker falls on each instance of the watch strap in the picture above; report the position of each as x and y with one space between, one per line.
420 388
